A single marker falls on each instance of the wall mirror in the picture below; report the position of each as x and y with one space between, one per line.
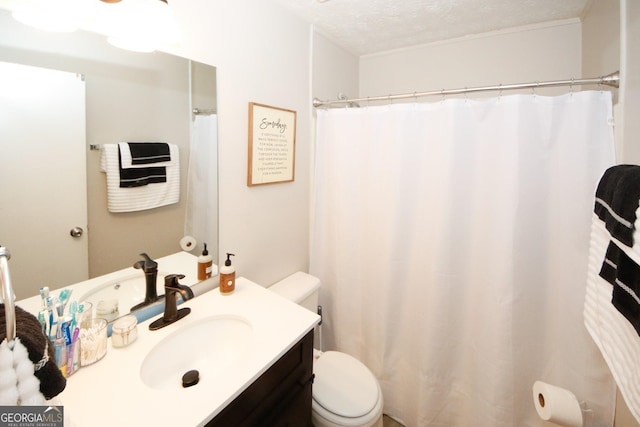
128 97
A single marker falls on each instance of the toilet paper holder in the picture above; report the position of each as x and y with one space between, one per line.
560 406
582 403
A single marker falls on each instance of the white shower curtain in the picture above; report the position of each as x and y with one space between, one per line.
201 220
451 239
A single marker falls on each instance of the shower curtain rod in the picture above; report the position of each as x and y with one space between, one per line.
612 80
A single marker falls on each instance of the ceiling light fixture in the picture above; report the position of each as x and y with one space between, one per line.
136 25
142 25
60 16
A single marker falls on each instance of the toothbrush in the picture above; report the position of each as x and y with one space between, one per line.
47 320
52 318
59 307
44 293
72 363
60 351
43 322
65 294
80 310
73 310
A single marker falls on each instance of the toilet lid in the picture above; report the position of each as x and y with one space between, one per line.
343 385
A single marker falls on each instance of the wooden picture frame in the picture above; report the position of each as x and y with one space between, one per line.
272 144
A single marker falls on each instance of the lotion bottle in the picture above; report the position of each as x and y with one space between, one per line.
227 277
205 264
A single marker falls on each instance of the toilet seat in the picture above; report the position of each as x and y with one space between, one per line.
345 392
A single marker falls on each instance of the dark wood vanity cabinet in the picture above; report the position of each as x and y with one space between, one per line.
281 397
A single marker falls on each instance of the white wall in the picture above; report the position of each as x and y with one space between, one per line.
334 70
526 54
601 38
601 51
630 84
262 54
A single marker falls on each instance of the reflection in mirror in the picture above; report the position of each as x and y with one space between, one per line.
128 97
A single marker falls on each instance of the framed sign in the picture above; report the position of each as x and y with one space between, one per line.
272 144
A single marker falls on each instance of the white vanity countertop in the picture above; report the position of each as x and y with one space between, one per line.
111 392
178 263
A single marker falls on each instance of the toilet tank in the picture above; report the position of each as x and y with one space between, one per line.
301 288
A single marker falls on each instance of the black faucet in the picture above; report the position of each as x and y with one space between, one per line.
150 268
171 313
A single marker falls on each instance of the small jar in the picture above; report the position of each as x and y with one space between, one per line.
108 309
124 331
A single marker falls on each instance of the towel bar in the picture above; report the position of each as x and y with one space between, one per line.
7 295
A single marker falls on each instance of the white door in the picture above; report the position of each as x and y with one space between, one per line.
43 194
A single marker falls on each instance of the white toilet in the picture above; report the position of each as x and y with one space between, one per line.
345 392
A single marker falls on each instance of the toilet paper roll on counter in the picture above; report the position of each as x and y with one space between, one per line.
557 405
188 243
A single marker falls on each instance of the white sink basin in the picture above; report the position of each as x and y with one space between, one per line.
124 292
211 346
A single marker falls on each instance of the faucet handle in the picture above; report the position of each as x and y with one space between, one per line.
172 280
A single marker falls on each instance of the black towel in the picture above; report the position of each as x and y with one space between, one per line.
624 274
142 176
137 177
143 153
29 330
617 199
609 270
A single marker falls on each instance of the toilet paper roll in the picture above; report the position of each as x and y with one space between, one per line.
557 405
188 243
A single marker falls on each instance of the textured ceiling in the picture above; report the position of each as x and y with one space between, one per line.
370 26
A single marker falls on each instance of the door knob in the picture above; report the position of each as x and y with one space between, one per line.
76 232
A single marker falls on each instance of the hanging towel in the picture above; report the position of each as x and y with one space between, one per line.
142 154
137 177
131 199
41 365
614 259
615 337
18 384
624 275
617 199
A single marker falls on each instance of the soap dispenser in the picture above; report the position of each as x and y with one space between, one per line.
227 277
205 263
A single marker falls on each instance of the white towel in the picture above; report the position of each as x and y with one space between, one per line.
131 199
616 338
125 157
18 384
